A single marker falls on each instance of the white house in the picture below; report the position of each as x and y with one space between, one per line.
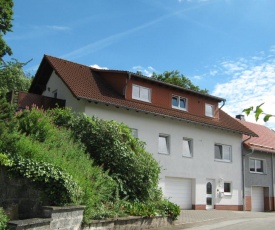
197 144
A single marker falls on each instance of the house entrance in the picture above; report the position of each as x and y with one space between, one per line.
209 194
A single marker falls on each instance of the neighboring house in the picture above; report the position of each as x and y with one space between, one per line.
197 144
258 160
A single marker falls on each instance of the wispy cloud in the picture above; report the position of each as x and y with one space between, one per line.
35 31
146 71
96 66
58 28
251 82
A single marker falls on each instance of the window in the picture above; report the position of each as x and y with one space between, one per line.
227 188
179 102
55 93
134 133
163 146
209 110
223 152
256 165
187 148
141 93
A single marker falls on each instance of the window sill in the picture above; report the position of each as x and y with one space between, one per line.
164 153
174 107
261 173
187 156
227 194
138 99
224 161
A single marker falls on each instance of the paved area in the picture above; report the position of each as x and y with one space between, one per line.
214 219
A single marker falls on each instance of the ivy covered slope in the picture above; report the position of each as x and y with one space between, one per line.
82 160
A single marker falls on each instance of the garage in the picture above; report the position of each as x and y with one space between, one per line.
257 199
179 191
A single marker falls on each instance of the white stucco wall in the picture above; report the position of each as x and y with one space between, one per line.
55 84
200 167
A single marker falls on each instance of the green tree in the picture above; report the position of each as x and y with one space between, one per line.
6 13
174 77
13 77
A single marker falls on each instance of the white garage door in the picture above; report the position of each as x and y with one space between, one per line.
257 199
179 191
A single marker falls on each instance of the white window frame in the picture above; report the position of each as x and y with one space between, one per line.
209 113
230 192
139 96
164 149
178 102
224 148
255 160
134 132
190 147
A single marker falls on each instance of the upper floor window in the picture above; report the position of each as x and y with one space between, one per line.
209 110
141 93
187 148
163 145
223 153
179 102
256 165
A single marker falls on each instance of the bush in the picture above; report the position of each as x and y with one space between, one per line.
112 146
48 155
3 219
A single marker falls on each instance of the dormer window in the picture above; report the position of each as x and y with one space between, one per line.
179 102
141 93
209 110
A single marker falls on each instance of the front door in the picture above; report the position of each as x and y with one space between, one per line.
209 194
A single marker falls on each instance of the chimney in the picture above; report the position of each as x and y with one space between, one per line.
240 117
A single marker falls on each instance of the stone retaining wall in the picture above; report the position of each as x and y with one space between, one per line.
19 197
70 218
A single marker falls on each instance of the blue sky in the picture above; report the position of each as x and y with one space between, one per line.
225 46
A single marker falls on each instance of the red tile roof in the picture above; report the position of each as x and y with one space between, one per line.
85 83
266 140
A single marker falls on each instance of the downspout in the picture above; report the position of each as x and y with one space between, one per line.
223 103
243 169
272 178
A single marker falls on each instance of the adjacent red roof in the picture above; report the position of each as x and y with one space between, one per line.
266 140
85 83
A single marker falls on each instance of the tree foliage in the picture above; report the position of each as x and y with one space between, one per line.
12 77
258 111
174 77
6 13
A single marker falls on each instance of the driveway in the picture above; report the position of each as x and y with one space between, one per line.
227 220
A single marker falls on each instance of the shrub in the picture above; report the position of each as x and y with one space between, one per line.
50 155
3 219
111 145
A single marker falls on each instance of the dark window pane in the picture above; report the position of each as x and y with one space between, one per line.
227 187
259 166
209 201
218 152
182 103
208 188
252 165
175 101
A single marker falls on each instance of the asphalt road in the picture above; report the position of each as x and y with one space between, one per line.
267 223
